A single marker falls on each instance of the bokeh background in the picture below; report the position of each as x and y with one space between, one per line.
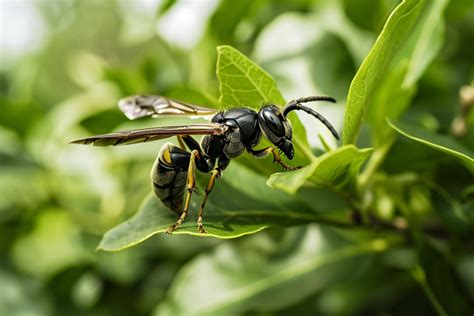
64 65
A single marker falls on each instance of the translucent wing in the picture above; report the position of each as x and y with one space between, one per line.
136 106
151 134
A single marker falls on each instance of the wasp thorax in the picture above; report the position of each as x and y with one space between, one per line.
277 129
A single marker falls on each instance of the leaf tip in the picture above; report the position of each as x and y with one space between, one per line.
222 48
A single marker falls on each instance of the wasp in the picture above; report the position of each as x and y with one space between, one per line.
227 136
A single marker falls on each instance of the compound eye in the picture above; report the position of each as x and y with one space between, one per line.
274 123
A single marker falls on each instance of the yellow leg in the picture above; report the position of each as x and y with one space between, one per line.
214 173
276 157
190 185
181 142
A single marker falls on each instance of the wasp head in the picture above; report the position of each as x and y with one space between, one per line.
277 129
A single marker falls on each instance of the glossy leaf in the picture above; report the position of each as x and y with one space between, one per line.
334 169
442 143
386 80
235 208
242 82
62 82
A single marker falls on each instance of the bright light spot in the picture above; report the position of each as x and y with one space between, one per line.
184 24
21 30
298 33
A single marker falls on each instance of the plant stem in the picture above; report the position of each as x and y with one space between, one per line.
418 274
376 159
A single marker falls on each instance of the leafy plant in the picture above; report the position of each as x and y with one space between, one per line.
382 89
242 82
380 223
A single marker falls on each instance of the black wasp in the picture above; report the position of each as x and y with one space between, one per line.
229 134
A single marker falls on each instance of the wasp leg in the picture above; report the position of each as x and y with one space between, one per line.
190 142
262 153
215 173
180 142
190 185
203 162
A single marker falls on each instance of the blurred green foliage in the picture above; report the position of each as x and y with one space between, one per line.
396 238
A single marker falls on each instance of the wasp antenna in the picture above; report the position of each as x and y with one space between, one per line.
315 98
295 105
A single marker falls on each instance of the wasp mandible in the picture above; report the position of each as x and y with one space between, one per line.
230 133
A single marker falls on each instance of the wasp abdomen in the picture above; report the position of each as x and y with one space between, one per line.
169 175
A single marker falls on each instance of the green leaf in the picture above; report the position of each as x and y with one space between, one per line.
386 80
334 169
244 83
153 218
231 281
235 208
442 143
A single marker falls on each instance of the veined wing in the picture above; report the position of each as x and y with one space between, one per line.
151 134
137 106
